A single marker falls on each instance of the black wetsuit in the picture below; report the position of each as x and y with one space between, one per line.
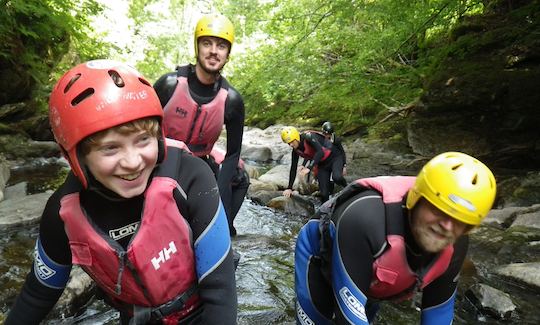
358 236
332 165
234 124
339 162
110 213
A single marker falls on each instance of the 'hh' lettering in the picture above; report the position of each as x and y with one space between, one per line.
164 255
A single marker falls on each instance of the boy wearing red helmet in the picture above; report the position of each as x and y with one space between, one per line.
138 213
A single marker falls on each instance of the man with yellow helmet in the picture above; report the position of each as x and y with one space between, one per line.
197 102
320 156
390 238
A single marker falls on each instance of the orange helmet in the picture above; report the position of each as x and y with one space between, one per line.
95 96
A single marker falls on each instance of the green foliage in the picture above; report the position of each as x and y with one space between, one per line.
36 34
345 61
163 28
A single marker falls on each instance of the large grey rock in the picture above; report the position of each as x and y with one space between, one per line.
15 191
24 210
257 185
4 176
78 292
278 175
260 154
269 138
529 220
295 205
491 301
502 217
18 147
527 273
263 197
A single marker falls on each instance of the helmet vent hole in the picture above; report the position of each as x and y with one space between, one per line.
456 166
71 82
145 82
117 79
82 96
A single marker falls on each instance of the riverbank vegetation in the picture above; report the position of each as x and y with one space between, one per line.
356 63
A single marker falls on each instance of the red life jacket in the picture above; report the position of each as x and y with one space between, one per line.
199 126
309 151
219 156
158 264
392 276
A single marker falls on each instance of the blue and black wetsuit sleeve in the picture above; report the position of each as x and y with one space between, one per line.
359 235
50 271
212 244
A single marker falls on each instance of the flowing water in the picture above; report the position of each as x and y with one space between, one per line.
265 274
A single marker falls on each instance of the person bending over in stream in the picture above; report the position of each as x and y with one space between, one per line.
392 238
137 212
319 157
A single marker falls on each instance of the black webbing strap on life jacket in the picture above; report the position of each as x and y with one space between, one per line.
324 214
141 315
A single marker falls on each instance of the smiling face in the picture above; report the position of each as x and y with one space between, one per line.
123 162
213 53
432 229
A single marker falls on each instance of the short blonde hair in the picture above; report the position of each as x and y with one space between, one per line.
150 125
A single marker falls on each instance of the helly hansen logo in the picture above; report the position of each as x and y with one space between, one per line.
164 255
182 112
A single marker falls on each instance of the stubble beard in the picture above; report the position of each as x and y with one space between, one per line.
425 238
211 71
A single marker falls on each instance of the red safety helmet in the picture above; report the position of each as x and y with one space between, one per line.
95 96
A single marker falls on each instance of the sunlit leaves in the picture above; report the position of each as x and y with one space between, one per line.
347 55
36 34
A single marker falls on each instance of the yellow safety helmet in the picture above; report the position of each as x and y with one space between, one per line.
214 25
457 184
289 134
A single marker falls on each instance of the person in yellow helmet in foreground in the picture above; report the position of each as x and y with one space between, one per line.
392 238
197 102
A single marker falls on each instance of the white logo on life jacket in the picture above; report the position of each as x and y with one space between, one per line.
352 303
302 316
124 231
164 255
43 271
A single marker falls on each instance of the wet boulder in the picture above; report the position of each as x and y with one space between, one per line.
77 294
263 197
22 210
490 301
295 205
526 273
